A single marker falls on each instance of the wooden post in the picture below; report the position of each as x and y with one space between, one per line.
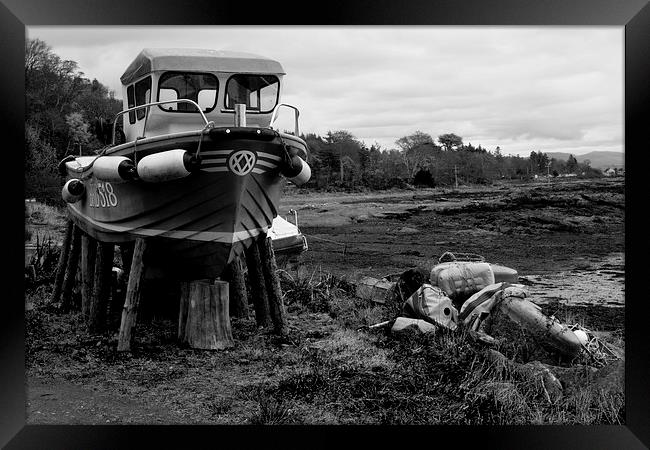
118 284
132 300
71 269
101 287
63 263
273 289
238 292
126 253
258 286
203 319
88 255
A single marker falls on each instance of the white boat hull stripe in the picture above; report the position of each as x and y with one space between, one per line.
269 156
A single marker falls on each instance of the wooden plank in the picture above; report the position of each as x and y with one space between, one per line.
257 286
238 291
71 270
88 256
101 287
126 254
132 300
273 289
62 264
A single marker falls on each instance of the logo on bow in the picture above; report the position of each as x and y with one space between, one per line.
242 162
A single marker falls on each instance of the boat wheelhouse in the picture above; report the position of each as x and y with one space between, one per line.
197 166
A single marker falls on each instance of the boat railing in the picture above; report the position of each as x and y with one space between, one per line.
274 116
147 105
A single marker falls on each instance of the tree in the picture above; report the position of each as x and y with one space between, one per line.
78 130
424 178
411 141
450 141
417 151
62 108
539 162
571 164
344 146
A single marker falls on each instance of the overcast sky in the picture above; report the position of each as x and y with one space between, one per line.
522 88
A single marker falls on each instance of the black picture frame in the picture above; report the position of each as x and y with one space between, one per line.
633 15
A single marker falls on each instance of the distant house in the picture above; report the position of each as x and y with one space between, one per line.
610 172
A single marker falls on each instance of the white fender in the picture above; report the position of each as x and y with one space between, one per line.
299 172
166 166
114 168
73 190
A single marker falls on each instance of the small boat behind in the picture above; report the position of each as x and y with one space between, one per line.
286 236
198 166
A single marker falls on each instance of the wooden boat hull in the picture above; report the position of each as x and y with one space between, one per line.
197 224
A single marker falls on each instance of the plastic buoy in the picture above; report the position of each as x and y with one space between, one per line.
529 316
166 166
114 168
73 190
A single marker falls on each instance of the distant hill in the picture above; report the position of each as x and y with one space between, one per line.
599 160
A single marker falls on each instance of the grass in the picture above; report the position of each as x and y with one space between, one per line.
43 222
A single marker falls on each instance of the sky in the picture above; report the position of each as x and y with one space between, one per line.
549 88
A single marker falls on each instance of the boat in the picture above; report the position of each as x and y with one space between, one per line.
198 165
286 237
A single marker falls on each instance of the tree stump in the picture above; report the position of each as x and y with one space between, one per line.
238 291
273 289
62 264
71 269
132 300
101 287
88 255
258 286
204 320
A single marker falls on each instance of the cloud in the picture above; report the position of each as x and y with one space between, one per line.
522 88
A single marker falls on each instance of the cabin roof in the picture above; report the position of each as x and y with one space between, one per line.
184 59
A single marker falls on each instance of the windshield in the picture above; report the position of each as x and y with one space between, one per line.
257 92
198 87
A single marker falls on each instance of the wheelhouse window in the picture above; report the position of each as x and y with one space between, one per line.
142 96
198 87
257 92
130 96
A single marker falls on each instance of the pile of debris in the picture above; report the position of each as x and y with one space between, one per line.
464 292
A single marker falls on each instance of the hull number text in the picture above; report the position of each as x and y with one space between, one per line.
101 195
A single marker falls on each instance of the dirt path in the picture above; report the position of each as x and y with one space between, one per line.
63 402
